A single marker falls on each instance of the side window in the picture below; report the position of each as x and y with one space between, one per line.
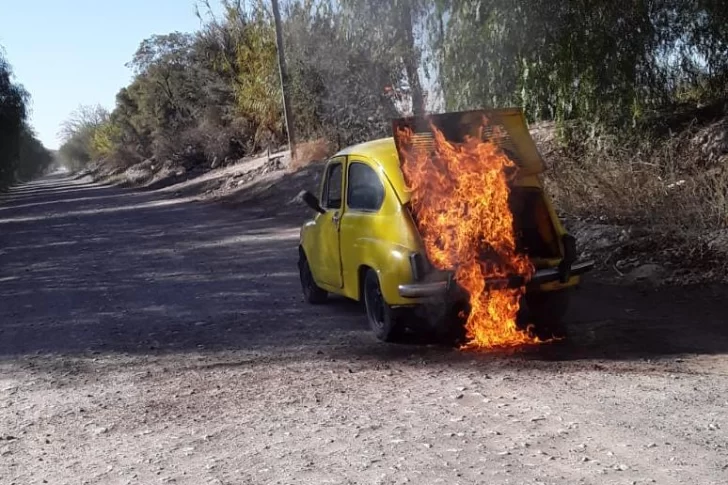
332 189
364 190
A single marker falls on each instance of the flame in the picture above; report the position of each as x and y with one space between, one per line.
459 198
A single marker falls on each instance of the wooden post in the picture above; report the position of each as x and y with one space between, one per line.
287 111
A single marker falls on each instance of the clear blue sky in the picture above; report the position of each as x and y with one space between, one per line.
72 52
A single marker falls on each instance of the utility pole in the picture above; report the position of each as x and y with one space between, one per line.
287 111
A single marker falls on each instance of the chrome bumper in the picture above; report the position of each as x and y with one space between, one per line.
440 288
422 290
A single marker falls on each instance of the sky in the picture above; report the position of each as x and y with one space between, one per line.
72 52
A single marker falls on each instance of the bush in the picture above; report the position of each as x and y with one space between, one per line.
674 183
310 152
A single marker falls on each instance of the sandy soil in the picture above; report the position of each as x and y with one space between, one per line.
150 339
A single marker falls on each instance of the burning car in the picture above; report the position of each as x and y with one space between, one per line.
446 224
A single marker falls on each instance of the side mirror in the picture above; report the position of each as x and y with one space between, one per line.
312 202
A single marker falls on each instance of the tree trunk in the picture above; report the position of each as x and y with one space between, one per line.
411 59
287 109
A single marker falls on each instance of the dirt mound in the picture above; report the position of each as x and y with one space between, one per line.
624 251
277 192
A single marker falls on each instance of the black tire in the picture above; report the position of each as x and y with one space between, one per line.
379 313
546 312
311 292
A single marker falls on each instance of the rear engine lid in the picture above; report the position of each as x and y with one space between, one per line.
506 127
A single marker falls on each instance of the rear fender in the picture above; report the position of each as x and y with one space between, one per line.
392 265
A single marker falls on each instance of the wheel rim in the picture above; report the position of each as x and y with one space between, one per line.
375 303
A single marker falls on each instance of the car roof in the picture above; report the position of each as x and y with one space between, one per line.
382 151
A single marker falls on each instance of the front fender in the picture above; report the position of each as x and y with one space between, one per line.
306 246
304 238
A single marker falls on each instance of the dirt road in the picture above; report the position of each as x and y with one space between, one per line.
146 339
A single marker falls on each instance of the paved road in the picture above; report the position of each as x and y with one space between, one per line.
148 339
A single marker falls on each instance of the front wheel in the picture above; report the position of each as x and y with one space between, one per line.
379 313
311 291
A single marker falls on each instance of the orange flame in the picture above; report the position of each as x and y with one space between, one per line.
460 201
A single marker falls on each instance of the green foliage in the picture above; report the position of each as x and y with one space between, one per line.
339 72
608 63
591 65
393 27
104 139
22 156
12 119
216 93
79 134
246 55
33 158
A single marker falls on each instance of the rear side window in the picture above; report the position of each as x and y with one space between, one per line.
332 189
365 190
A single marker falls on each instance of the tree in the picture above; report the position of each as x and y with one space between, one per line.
85 117
245 51
78 133
340 72
22 156
606 62
13 114
356 64
395 24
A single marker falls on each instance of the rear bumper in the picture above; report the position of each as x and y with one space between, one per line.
548 275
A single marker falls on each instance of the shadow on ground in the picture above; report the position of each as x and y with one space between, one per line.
87 269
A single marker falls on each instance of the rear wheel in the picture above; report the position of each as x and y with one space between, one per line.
379 314
546 311
311 291
447 322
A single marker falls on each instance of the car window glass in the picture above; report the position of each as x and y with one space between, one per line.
332 193
364 190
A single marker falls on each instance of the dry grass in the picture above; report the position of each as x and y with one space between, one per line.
678 185
663 200
309 152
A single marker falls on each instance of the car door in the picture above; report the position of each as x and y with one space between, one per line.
328 224
362 221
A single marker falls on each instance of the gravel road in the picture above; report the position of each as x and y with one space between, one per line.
151 339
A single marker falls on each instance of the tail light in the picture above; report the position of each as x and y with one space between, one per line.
420 266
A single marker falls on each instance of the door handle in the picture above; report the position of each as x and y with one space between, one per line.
335 218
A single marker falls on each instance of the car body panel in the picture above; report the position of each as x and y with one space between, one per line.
323 234
384 153
506 127
373 242
381 240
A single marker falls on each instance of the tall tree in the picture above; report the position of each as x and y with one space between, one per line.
597 60
78 133
408 11
13 112
22 156
396 25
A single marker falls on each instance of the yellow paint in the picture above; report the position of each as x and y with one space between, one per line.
342 243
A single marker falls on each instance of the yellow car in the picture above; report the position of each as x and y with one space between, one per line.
363 243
